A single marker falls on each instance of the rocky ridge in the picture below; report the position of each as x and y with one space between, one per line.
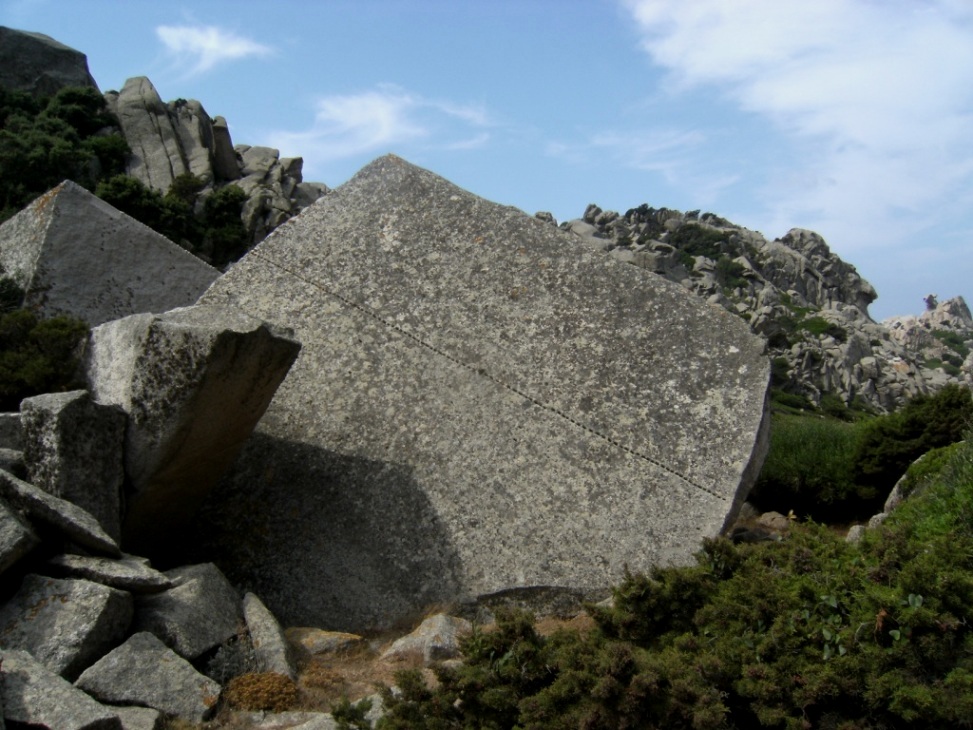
811 306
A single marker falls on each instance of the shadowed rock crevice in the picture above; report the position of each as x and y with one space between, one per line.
327 539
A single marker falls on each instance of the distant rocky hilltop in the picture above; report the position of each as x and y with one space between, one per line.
167 139
811 306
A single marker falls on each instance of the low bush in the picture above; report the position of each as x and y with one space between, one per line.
261 691
807 632
37 355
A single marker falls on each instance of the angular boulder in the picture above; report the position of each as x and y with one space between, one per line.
73 450
194 382
33 696
270 648
75 254
65 624
437 638
73 522
200 612
127 573
39 65
144 672
482 403
17 538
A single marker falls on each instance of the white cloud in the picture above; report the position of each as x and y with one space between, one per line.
876 98
379 119
203 47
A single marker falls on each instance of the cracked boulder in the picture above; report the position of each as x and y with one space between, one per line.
193 382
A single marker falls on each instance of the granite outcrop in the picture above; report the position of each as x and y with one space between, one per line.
169 139
39 65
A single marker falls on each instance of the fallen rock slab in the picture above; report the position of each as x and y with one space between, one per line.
200 612
16 537
73 522
73 450
194 382
436 639
143 671
483 403
34 696
271 653
74 254
65 624
126 573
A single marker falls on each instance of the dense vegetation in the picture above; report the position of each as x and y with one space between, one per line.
73 136
808 632
838 471
37 356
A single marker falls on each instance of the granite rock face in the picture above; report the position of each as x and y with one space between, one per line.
17 538
194 382
73 451
39 65
482 403
74 254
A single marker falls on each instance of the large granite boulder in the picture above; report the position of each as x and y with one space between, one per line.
39 65
73 451
482 403
194 382
75 254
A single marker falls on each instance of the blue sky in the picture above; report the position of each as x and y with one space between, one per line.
853 118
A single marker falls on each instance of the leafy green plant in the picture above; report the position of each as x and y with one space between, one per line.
37 356
810 631
953 341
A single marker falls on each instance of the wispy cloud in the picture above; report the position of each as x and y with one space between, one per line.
382 118
201 47
877 96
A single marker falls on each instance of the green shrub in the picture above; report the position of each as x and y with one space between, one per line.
37 356
818 326
807 632
953 341
45 141
888 444
696 240
809 468
784 402
729 273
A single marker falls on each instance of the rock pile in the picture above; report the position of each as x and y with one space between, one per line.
92 636
810 305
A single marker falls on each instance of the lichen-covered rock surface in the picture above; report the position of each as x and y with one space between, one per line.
482 403
74 254
194 382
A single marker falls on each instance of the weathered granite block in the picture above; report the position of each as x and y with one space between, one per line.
16 537
11 432
270 648
75 254
65 624
34 696
73 450
483 403
72 521
194 382
126 573
144 671
201 611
